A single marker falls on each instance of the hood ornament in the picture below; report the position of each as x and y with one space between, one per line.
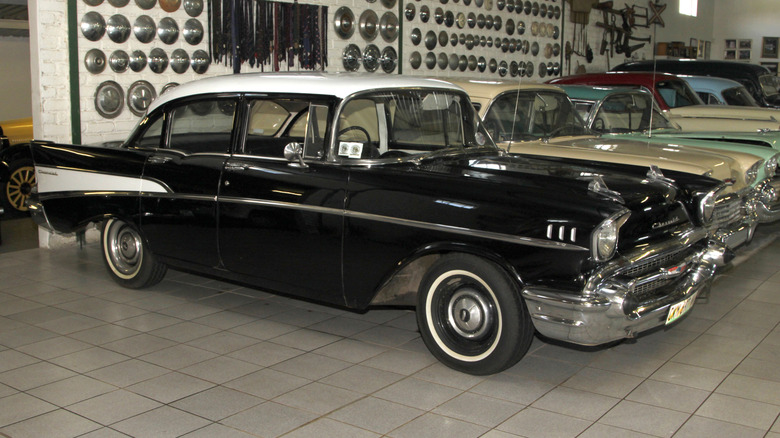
597 185
655 175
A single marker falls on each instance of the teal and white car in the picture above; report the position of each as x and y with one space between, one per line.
621 112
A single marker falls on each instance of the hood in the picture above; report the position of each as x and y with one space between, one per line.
724 118
729 112
628 186
743 148
634 152
764 138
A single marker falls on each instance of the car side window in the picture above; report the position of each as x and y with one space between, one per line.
273 123
203 126
151 136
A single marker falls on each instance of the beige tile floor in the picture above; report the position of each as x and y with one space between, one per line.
195 357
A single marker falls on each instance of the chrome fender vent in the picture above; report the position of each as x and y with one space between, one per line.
561 233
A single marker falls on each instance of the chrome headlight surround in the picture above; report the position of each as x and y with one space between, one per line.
752 174
604 240
770 165
706 208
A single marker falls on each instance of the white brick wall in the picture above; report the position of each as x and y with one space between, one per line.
51 68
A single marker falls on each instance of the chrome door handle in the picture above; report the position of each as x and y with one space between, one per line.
234 166
159 159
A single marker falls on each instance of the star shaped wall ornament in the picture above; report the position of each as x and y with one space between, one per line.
655 10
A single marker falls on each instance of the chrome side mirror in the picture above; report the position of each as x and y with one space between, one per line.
293 152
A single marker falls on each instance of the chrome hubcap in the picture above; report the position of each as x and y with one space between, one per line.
124 248
469 314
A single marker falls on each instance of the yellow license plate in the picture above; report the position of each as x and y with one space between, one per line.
680 309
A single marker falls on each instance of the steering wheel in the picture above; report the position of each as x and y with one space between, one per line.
355 128
394 154
598 125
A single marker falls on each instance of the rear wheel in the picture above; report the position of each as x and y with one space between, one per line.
127 256
20 184
471 316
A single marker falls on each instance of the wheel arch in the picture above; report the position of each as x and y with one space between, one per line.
401 286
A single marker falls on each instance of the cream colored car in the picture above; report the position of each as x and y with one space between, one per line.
539 119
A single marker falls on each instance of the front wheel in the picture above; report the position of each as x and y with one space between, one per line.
471 316
127 256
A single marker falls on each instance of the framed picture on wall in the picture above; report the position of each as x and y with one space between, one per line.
743 55
772 66
731 44
769 47
745 44
730 54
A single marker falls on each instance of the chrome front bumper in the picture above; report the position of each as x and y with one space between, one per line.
767 201
611 306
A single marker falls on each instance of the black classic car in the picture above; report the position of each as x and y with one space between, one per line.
361 191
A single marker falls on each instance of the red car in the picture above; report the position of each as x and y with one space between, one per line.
681 104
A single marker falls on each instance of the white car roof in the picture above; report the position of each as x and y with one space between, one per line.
339 85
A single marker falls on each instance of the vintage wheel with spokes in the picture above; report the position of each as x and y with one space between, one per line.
21 181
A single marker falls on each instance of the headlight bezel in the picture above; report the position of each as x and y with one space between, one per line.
770 166
751 175
705 210
607 232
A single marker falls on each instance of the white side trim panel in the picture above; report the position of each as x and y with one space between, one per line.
52 179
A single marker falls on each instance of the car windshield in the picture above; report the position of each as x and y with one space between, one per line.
529 115
738 96
768 85
677 94
391 124
628 112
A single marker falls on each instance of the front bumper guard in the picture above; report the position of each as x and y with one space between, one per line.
609 312
767 201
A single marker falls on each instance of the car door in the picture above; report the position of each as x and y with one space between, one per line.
181 225
280 222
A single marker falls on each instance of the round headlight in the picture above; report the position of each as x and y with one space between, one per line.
606 241
707 207
770 166
752 173
605 237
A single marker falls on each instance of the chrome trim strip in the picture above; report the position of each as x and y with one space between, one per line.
74 194
530 241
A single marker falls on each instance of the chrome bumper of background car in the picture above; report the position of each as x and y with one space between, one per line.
767 203
618 308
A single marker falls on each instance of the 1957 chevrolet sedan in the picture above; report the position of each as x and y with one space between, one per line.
359 190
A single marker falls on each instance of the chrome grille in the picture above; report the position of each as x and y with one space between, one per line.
728 209
648 284
645 291
645 266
